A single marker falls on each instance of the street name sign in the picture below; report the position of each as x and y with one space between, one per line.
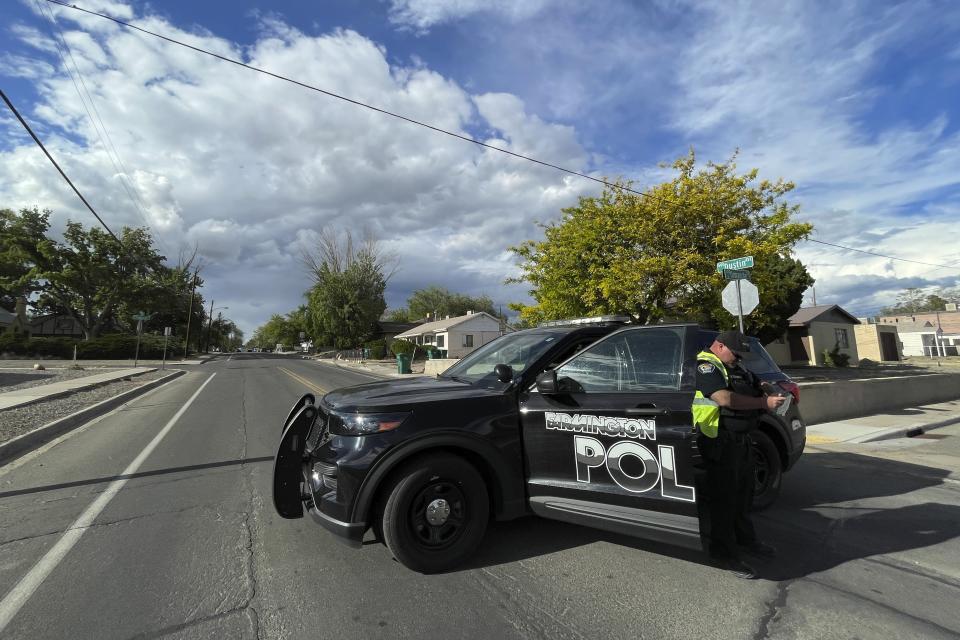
745 262
736 274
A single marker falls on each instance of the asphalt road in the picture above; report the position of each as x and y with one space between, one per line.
156 521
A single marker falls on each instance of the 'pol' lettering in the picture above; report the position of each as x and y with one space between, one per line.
660 469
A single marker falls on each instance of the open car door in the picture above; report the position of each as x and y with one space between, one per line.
288 463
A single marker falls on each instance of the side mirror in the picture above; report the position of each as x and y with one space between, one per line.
549 384
504 372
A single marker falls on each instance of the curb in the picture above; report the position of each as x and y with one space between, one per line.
67 392
41 435
363 370
909 431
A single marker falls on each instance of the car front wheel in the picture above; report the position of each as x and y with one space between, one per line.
436 512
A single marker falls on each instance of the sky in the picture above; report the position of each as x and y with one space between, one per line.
858 103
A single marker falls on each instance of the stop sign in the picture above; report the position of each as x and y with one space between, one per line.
749 297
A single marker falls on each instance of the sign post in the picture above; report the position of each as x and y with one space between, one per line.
140 317
740 296
166 335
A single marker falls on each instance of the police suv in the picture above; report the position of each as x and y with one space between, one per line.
585 421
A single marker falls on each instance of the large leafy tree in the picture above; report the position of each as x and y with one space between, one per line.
916 300
346 299
281 329
23 242
91 274
655 257
438 301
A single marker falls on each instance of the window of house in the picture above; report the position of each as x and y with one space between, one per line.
440 341
841 338
468 340
428 340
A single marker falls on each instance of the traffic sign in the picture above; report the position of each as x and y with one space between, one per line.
142 315
736 274
745 262
749 297
167 331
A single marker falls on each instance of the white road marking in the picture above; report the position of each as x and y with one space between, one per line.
27 457
21 593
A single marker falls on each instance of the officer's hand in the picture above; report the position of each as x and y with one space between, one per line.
774 401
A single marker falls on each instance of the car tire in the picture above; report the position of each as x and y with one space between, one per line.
436 513
768 470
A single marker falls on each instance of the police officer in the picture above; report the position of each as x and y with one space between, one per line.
726 407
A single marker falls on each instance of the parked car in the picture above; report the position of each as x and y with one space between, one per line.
585 422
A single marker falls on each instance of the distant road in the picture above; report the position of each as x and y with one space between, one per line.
157 521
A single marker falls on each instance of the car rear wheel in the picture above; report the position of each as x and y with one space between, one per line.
435 513
768 471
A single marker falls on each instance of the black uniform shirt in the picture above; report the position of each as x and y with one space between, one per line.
709 378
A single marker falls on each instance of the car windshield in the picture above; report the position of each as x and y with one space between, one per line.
518 350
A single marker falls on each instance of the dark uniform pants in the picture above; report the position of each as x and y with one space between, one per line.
729 486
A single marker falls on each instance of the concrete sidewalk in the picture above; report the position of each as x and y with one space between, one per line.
380 368
21 397
884 426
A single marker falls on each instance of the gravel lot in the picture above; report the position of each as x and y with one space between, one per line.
20 420
13 379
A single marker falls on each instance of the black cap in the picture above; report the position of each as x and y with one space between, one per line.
735 341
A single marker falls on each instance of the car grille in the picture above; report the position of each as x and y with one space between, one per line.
318 431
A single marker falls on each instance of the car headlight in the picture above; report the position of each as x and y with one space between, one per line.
359 424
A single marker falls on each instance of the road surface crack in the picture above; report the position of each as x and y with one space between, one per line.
773 610
246 473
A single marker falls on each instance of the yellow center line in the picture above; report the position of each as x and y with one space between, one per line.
310 385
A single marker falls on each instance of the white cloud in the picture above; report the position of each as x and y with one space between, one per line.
248 167
423 14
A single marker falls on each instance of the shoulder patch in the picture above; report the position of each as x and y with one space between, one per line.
706 367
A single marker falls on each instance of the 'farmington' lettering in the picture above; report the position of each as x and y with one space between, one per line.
603 425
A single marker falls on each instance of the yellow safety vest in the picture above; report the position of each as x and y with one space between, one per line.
706 412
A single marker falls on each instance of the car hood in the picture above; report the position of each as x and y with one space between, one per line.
401 394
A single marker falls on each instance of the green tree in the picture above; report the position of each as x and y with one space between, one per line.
438 302
655 257
346 299
278 330
90 275
23 243
916 300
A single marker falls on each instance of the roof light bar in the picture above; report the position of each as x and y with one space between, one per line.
593 320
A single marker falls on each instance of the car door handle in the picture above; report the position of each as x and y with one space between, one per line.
647 410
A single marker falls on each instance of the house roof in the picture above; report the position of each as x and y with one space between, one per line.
387 326
440 326
806 315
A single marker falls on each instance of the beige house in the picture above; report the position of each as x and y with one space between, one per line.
812 331
878 342
457 336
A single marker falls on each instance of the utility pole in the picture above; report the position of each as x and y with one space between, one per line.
209 327
219 324
193 291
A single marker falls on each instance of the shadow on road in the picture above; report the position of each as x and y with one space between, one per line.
140 474
818 523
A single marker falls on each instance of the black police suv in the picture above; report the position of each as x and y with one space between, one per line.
587 422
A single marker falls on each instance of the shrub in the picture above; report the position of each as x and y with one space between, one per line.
378 349
833 357
399 347
105 347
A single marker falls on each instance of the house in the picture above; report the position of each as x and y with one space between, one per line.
6 318
387 330
457 336
878 342
55 326
812 331
17 321
928 333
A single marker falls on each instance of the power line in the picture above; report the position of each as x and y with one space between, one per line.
351 100
50 158
879 255
424 124
118 162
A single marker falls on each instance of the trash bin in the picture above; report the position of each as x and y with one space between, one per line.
403 363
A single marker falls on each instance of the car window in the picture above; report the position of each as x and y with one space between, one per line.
518 350
648 359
